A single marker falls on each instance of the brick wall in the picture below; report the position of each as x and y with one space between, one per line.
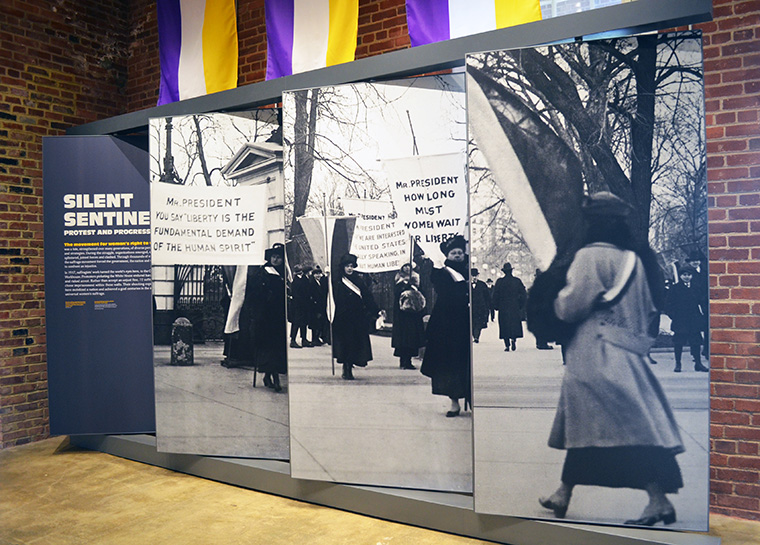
61 64
72 66
732 76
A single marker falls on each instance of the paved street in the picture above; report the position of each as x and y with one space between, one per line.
386 428
208 409
515 397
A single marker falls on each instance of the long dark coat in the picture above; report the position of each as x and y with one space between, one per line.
509 298
447 353
317 312
299 306
682 305
481 304
408 330
264 312
354 319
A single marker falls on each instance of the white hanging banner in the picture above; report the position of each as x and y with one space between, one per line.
430 197
206 225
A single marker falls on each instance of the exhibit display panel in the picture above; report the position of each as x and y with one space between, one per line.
376 175
445 511
219 314
623 121
97 285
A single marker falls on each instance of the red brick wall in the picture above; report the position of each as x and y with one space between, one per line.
732 76
61 64
71 69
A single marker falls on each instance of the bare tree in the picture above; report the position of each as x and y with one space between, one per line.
605 100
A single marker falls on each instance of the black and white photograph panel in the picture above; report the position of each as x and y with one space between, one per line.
588 213
377 246
218 255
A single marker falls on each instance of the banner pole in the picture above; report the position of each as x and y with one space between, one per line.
329 280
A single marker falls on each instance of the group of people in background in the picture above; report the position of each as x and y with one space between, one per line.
307 307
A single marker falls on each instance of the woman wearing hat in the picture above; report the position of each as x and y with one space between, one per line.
355 315
447 353
613 418
265 300
408 329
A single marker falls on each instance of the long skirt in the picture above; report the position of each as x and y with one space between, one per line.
623 467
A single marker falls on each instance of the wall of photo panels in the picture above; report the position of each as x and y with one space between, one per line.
406 283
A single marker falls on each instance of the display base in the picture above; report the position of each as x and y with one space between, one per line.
441 511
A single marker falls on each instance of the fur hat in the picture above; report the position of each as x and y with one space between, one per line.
606 204
456 241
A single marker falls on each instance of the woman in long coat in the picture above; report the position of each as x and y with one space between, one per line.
447 353
613 418
408 330
354 319
265 301
509 298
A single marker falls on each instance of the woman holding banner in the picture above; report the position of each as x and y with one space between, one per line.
355 315
447 354
265 301
613 418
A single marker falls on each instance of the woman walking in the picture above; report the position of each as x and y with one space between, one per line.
613 418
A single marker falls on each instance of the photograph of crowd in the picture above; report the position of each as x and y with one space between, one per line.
377 241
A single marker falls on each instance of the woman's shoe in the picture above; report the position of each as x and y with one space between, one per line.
560 509
267 380
667 517
451 414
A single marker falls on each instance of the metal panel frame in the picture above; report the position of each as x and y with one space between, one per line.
440 511
447 512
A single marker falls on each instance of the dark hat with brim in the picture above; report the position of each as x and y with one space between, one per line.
474 272
276 249
686 269
695 255
456 241
506 267
606 204
348 258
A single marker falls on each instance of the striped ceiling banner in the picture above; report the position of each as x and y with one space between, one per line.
305 35
432 21
198 47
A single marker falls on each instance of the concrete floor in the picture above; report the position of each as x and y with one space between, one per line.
51 493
